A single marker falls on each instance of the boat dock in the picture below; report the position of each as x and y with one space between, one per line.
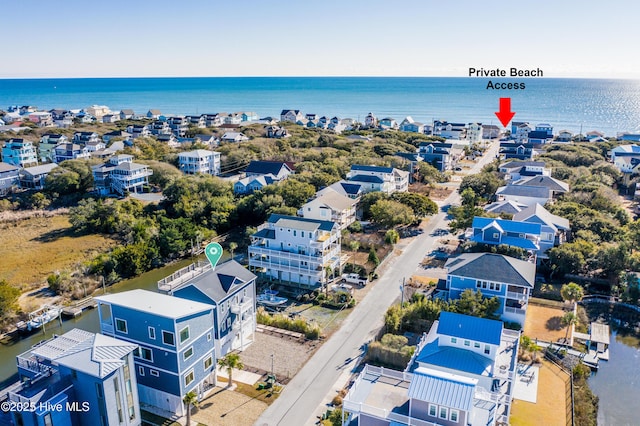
597 342
78 307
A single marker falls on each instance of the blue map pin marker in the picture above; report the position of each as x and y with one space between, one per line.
213 251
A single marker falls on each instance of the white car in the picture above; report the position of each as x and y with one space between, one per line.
354 279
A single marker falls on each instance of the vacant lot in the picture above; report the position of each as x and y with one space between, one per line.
227 407
34 248
550 408
544 323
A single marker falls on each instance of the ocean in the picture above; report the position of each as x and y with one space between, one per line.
609 106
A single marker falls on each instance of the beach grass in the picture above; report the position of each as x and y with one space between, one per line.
34 248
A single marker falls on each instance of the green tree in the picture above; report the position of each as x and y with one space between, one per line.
354 246
568 320
391 236
571 292
389 213
475 304
8 297
483 184
62 181
190 400
373 257
231 361
421 205
232 247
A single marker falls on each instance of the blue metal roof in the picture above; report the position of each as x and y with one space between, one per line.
361 168
455 359
471 328
508 225
508 241
439 387
351 188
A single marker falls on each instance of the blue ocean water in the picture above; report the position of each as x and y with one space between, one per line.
610 106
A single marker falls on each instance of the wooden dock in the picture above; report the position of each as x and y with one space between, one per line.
79 306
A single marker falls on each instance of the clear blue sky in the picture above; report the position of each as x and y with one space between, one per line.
72 38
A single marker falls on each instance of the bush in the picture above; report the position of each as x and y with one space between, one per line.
391 237
299 325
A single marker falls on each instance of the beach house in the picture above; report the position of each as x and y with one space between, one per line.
554 229
19 152
120 175
91 376
234 137
343 187
330 205
509 279
280 170
35 177
377 178
440 155
517 150
524 194
251 184
494 231
410 125
9 178
175 353
291 115
297 251
70 151
199 161
231 289
47 145
462 373
516 170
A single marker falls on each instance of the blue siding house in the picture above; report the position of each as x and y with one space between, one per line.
175 336
553 229
231 289
510 280
78 378
524 235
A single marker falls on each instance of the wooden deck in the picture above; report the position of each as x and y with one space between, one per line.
77 308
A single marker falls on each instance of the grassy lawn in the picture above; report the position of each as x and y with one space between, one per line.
550 409
328 319
34 248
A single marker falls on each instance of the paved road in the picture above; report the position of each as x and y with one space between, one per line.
329 368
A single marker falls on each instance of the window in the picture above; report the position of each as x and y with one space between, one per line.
187 354
189 378
443 413
487 349
453 415
47 420
168 338
154 373
467 343
141 370
208 337
295 234
118 400
433 410
121 325
152 333
208 363
476 345
99 390
184 334
492 286
496 235
144 353
454 340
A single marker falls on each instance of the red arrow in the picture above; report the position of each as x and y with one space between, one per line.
505 115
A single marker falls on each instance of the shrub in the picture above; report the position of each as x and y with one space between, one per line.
391 237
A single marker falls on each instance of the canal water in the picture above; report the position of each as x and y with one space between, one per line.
87 321
617 383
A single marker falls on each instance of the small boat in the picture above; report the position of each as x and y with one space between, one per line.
270 298
42 316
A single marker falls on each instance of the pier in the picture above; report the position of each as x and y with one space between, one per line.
78 307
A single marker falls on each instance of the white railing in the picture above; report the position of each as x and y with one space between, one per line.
516 296
106 327
381 413
187 273
238 308
515 311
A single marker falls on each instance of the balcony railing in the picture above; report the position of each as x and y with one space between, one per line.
517 311
516 296
238 308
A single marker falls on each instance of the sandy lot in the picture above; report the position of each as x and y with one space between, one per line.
226 407
550 408
544 323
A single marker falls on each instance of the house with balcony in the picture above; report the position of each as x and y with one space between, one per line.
388 123
410 125
296 251
41 118
35 177
626 157
277 132
159 127
178 125
516 170
138 130
448 130
564 136
494 231
91 376
199 161
554 229
462 373
19 152
98 111
154 113
520 131
234 137
126 114
214 120
490 131
47 145
440 155
198 121
517 150
377 178
9 178
474 132
555 186
85 137
509 279
345 188
70 151
120 175
175 353
231 289
332 206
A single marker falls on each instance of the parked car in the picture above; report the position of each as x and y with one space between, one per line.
354 279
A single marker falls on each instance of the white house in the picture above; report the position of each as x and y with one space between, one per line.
377 178
516 170
474 132
279 170
291 115
199 161
121 175
331 206
234 137
296 250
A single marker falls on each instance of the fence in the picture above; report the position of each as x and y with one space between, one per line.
569 401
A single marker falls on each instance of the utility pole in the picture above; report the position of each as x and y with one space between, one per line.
402 292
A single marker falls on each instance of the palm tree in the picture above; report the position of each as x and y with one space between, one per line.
232 247
231 361
534 348
571 292
190 400
354 246
568 320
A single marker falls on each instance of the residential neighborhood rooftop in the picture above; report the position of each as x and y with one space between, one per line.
156 303
493 267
